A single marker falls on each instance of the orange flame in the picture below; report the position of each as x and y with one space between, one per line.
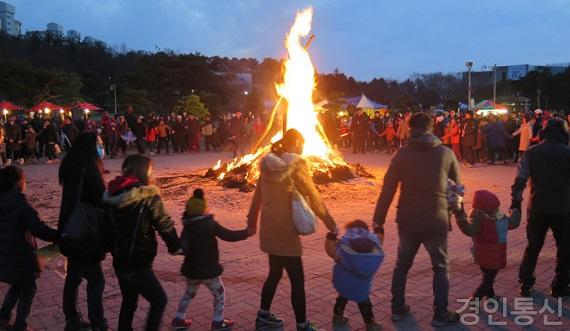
297 88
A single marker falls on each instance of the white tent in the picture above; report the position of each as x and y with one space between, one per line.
365 103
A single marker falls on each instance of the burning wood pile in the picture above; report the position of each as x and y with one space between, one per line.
326 163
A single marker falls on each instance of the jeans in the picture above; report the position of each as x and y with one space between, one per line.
468 154
365 308
536 228
486 286
294 267
141 282
91 271
22 294
436 247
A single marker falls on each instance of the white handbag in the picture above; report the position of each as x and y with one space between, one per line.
304 218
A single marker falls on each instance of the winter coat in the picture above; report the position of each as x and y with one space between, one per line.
70 131
469 133
163 130
389 133
279 175
547 165
360 125
92 192
358 257
136 213
13 137
151 134
139 130
489 233
19 223
404 129
495 135
49 134
198 238
31 138
421 169
525 132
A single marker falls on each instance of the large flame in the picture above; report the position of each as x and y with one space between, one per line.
297 88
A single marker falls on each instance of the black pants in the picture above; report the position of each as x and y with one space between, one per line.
78 270
21 293
468 154
485 289
365 308
536 229
140 145
141 282
162 142
294 267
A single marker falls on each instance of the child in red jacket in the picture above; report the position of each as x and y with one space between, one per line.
488 227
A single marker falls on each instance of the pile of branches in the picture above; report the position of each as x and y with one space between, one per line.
237 178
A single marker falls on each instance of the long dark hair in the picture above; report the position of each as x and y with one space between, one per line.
291 137
11 178
137 165
83 151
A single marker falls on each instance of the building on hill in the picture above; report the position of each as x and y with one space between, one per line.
8 24
74 36
513 72
55 29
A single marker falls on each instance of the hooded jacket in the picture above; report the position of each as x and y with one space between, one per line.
495 135
358 257
488 227
280 174
198 239
421 169
136 213
19 223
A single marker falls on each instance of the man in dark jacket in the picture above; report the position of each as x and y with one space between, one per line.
547 165
469 137
13 140
422 169
19 224
70 131
360 128
496 138
139 131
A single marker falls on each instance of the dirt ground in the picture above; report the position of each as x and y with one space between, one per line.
246 265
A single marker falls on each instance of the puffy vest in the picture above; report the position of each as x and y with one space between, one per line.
490 244
353 271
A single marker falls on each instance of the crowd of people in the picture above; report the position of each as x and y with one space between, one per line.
131 208
31 138
473 138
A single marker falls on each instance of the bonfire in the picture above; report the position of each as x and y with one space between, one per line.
327 165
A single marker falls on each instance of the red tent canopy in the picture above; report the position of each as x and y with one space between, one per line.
9 106
86 105
43 105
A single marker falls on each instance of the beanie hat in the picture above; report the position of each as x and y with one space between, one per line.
485 200
196 205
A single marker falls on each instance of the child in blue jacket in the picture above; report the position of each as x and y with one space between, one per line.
358 256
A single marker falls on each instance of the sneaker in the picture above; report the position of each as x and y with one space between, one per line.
307 326
373 326
339 320
79 325
179 324
222 325
525 291
398 315
448 318
267 321
565 292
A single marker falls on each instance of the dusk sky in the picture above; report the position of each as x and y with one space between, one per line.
365 39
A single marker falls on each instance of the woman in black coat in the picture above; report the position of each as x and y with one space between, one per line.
19 267
82 161
137 214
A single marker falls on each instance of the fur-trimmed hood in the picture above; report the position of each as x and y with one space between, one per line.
131 196
276 167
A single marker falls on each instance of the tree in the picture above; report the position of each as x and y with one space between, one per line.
192 105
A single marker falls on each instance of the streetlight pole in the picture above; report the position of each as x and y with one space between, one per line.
469 65
495 84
